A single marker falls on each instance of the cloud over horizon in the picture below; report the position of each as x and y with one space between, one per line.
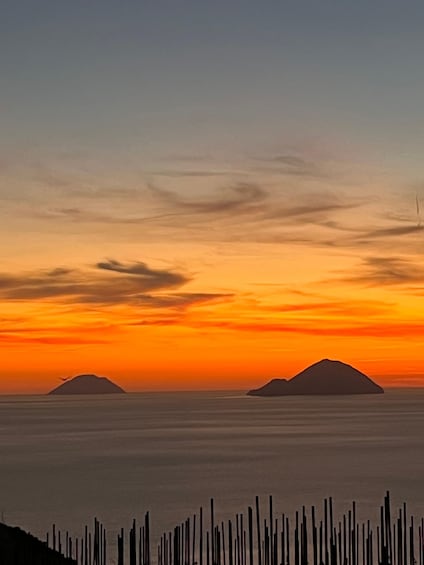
283 197
387 271
107 283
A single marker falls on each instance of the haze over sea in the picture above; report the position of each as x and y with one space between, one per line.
68 459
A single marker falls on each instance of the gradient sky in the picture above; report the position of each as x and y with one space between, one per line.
204 194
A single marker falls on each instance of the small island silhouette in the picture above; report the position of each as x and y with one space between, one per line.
88 384
327 377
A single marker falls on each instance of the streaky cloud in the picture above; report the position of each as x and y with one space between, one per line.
291 165
393 231
18 339
84 216
383 329
182 299
154 278
237 197
191 173
335 308
378 271
109 283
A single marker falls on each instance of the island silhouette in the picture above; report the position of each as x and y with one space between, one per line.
327 377
88 384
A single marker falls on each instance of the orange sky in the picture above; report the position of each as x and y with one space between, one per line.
181 284
209 197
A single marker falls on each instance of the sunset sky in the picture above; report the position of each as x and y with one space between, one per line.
208 194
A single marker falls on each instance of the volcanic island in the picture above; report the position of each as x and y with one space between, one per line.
87 384
327 377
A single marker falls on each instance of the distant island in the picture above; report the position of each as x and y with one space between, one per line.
88 384
326 377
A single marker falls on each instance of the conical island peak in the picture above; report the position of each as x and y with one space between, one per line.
326 377
88 384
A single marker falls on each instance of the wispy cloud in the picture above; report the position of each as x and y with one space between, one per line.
87 216
387 271
237 197
251 212
107 283
292 165
334 308
183 299
193 173
23 331
393 231
312 207
52 339
309 204
356 234
382 329
243 204
147 278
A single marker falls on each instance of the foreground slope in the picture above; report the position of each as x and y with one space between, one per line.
88 384
20 548
326 377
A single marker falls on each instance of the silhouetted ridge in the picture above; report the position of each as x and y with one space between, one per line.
88 384
325 377
19 548
276 387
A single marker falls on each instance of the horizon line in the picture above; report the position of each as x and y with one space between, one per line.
176 391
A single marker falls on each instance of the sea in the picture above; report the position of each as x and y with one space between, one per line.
66 460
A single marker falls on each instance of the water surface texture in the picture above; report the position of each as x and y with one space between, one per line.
66 459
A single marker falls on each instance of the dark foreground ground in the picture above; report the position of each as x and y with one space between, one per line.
20 548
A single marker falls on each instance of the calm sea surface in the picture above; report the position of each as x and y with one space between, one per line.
66 460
